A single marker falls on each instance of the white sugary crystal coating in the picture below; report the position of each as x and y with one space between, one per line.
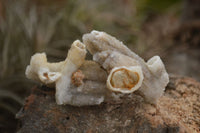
75 58
42 71
115 69
155 75
91 91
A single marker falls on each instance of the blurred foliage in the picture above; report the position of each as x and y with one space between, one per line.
158 6
33 26
148 8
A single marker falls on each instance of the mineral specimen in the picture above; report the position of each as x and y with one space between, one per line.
114 71
111 53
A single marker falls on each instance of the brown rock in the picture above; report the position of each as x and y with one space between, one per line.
178 111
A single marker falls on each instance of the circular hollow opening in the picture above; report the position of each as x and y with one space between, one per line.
80 45
124 79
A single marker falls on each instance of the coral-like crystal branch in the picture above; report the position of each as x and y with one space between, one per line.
115 69
111 53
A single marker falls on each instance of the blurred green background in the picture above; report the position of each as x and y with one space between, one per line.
30 26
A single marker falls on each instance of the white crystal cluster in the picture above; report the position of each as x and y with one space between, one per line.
114 69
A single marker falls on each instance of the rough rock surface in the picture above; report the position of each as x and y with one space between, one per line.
178 111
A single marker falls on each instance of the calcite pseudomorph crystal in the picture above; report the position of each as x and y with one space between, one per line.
115 70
